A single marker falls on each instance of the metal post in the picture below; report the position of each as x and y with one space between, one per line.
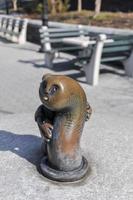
45 13
44 20
7 7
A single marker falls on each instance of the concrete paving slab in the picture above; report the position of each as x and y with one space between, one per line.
107 140
107 143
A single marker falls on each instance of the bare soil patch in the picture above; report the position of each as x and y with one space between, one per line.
105 19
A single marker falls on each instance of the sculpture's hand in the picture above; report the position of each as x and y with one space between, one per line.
88 111
46 130
44 123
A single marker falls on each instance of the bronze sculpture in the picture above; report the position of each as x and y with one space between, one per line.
61 118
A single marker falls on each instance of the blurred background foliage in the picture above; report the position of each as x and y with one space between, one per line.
107 13
60 6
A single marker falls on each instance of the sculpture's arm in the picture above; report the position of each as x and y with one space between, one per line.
88 111
44 123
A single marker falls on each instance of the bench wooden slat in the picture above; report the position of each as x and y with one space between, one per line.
61 35
69 48
117 49
59 30
58 40
117 58
119 43
121 37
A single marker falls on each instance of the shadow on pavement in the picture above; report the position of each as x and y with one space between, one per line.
4 40
25 146
66 67
74 71
12 45
111 71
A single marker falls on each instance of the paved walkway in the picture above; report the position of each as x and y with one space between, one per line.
107 140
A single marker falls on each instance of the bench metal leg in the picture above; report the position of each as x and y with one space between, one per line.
22 35
15 32
4 27
128 65
1 22
46 45
92 68
9 29
48 58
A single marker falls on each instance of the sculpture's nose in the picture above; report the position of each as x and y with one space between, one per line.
45 98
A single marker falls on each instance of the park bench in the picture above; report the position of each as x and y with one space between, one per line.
120 50
13 29
77 43
91 53
52 41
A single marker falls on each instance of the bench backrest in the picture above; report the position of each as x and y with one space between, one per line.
56 34
54 37
120 49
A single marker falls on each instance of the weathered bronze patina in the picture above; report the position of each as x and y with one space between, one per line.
61 118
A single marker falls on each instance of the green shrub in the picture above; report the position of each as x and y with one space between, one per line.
61 6
39 8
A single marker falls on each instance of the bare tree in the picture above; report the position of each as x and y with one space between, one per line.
14 3
53 5
98 4
58 6
79 5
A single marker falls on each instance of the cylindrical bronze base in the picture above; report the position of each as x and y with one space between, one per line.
64 176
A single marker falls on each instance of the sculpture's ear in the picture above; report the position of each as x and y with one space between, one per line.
45 76
88 111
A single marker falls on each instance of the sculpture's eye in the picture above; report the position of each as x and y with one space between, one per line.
53 89
44 84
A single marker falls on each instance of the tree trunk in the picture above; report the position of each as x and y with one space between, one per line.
79 5
97 7
53 3
14 2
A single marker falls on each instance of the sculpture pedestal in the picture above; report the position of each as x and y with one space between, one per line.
64 176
